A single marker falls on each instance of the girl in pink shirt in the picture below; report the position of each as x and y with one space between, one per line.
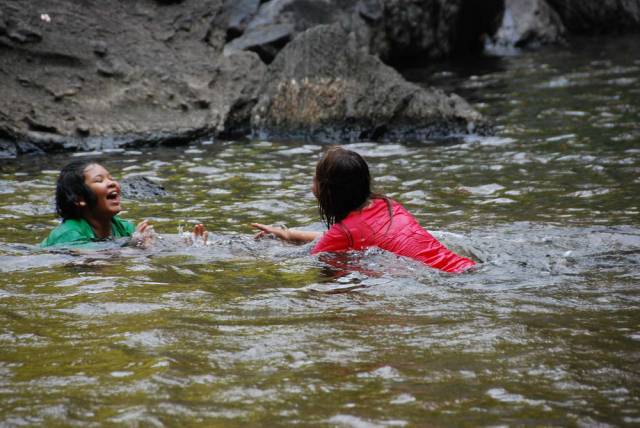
357 218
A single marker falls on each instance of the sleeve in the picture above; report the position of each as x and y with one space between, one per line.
130 227
335 239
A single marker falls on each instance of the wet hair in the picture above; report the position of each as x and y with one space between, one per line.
342 184
71 189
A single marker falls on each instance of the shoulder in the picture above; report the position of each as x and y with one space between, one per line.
122 227
334 239
70 231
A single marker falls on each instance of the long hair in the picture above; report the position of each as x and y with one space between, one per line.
342 184
71 189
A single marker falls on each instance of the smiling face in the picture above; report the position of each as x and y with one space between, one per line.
105 189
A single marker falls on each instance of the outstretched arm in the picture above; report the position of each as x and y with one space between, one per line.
289 235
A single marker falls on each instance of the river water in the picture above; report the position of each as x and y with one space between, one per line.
241 332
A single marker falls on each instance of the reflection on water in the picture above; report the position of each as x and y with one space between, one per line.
240 331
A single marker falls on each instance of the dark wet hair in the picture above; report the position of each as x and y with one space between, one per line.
71 189
343 184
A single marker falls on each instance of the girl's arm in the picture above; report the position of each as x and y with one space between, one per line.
289 235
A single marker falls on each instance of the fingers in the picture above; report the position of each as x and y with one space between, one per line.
260 226
200 235
142 226
144 235
264 230
278 232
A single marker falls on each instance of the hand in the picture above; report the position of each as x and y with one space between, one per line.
199 234
278 232
143 236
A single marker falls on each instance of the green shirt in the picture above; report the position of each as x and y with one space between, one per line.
79 232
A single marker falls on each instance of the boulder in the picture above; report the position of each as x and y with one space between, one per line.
396 30
599 16
8 149
234 86
266 41
141 73
278 21
424 30
322 86
526 24
239 13
141 187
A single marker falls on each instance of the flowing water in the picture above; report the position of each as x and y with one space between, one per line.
242 332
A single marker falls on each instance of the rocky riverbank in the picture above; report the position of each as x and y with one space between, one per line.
104 75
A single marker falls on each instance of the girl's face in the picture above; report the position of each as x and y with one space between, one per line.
106 190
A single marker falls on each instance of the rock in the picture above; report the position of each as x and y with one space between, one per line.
105 68
36 125
83 130
151 72
370 10
395 30
407 31
526 23
239 13
24 35
302 14
323 87
236 83
279 21
100 48
46 141
103 63
156 72
28 148
599 16
266 41
111 67
140 187
8 149
4 25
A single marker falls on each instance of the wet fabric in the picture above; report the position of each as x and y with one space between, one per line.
400 234
73 232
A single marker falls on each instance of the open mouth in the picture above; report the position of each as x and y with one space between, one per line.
113 195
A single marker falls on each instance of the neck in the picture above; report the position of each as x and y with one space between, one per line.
100 226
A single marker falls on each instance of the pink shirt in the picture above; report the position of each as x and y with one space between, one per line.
405 237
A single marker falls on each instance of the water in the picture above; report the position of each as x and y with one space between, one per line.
545 332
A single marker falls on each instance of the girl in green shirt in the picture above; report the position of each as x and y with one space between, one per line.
88 200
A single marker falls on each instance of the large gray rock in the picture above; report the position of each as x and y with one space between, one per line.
122 73
266 41
239 13
424 30
395 30
526 24
599 16
277 22
322 86
140 187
